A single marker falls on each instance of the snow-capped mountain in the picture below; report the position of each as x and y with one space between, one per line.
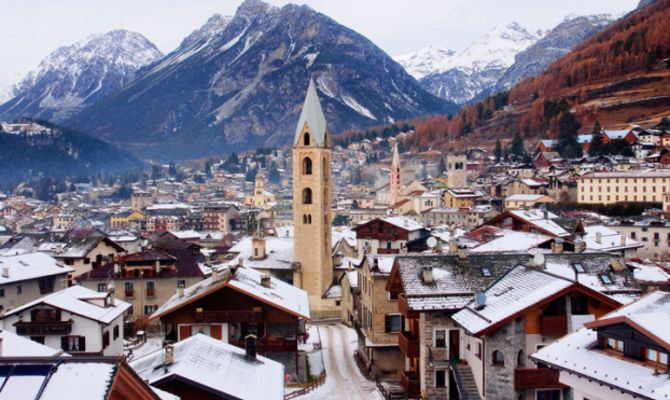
461 76
8 79
239 83
558 42
75 76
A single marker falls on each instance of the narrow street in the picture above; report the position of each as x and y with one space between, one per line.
343 378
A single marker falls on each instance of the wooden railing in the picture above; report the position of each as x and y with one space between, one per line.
320 381
228 316
271 345
43 328
408 343
403 307
387 251
130 293
536 378
410 382
554 325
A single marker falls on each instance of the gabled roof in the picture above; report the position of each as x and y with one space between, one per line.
81 301
247 281
217 367
518 291
312 116
30 266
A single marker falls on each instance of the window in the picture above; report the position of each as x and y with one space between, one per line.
498 358
440 378
2 292
307 196
392 323
614 344
150 289
656 356
46 284
440 338
38 339
579 268
45 315
486 271
632 235
105 340
102 287
116 332
479 351
19 289
606 279
73 343
548 394
307 166
306 139
130 289
149 308
388 245
181 283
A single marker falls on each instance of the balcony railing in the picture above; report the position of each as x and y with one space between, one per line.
43 328
409 344
410 382
271 345
536 378
228 316
554 325
130 293
151 292
387 251
403 307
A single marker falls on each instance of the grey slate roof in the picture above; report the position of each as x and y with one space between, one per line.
312 115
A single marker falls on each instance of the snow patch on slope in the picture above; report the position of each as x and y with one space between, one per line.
353 104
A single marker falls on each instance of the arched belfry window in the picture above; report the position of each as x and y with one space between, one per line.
306 139
307 166
307 196
325 169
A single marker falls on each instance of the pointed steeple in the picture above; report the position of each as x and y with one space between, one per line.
312 115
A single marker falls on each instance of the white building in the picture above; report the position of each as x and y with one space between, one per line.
76 319
26 277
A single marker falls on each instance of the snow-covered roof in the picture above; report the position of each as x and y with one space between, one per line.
30 266
380 264
81 301
186 234
599 237
537 218
575 353
245 280
278 253
88 380
649 272
524 197
520 288
512 241
216 365
14 345
404 223
646 173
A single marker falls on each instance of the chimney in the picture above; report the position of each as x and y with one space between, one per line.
427 275
117 268
376 263
557 246
623 240
5 272
215 274
599 237
158 267
579 245
180 292
462 252
453 245
265 281
251 346
168 358
110 293
617 263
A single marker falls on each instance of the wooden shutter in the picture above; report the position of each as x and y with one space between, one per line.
215 331
184 332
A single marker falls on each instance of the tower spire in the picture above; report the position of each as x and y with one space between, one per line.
312 116
395 185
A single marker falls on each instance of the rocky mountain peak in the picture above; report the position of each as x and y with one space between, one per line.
214 25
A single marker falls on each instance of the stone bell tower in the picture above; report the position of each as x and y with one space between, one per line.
312 220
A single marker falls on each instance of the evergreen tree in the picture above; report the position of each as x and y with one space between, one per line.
251 174
443 167
273 175
172 170
516 148
597 147
208 169
498 151
156 172
568 146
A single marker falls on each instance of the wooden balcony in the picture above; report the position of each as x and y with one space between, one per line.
403 307
43 328
271 345
228 316
410 382
387 251
554 325
130 293
536 378
409 344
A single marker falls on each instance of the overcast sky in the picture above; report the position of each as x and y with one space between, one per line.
31 29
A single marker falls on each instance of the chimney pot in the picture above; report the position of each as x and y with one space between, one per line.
250 346
265 281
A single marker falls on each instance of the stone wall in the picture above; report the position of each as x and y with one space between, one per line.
429 322
509 339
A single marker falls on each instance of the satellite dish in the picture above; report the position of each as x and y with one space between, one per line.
480 300
431 242
538 259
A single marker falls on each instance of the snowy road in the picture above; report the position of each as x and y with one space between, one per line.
343 378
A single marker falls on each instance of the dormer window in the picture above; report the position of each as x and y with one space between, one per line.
614 344
579 268
486 271
656 356
606 279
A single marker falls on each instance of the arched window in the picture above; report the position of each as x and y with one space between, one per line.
309 218
307 196
307 166
304 219
306 140
498 358
520 360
